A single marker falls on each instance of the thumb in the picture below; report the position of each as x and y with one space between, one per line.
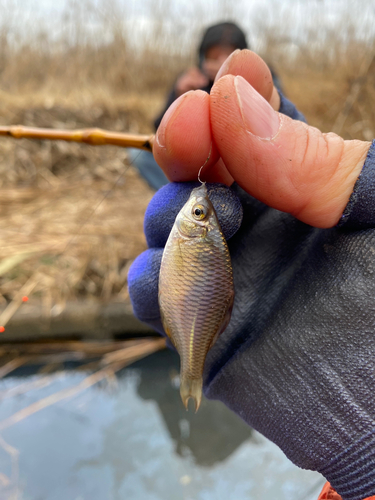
283 162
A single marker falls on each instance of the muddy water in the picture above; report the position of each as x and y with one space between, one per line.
133 440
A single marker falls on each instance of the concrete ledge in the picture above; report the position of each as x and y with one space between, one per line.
78 319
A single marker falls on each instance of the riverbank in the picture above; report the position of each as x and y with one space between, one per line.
71 223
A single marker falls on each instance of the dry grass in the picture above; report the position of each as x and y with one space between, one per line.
71 215
77 236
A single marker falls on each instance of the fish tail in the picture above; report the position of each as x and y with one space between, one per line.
191 388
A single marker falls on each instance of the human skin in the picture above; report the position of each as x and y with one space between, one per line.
194 78
191 79
282 162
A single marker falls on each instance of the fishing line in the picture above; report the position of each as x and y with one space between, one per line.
204 164
99 204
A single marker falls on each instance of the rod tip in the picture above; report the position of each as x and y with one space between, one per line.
191 389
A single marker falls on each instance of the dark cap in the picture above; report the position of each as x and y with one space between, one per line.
222 34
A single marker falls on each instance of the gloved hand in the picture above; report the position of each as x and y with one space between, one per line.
297 359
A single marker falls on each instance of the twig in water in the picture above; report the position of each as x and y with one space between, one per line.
143 350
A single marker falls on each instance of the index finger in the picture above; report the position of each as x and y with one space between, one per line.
183 141
184 137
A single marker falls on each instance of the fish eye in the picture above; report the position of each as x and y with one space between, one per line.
199 212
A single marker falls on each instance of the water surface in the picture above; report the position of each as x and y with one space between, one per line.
132 439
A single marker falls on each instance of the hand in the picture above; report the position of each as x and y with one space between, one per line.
282 162
297 359
192 79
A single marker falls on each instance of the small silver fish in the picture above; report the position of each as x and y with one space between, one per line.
195 288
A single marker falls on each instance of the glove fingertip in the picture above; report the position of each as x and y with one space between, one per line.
143 284
162 211
228 208
168 201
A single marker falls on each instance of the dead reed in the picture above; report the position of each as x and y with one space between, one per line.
111 356
71 215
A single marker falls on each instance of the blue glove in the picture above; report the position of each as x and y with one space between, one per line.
297 359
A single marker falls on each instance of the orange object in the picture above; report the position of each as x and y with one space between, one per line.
2 329
328 493
25 299
93 136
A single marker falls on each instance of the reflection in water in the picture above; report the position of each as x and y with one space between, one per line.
135 441
211 434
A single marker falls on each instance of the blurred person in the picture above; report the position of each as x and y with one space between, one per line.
297 360
217 43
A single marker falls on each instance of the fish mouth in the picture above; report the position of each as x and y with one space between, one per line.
200 191
191 388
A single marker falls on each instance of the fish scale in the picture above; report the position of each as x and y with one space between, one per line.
195 288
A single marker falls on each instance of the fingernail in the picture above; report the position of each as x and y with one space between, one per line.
224 67
160 133
257 114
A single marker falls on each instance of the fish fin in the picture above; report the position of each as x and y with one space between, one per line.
166 328
191 388
227 317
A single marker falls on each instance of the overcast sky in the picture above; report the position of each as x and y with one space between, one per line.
188 16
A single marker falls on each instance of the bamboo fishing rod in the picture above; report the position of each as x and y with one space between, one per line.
92 136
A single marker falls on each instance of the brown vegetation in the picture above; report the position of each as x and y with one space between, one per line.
71 215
